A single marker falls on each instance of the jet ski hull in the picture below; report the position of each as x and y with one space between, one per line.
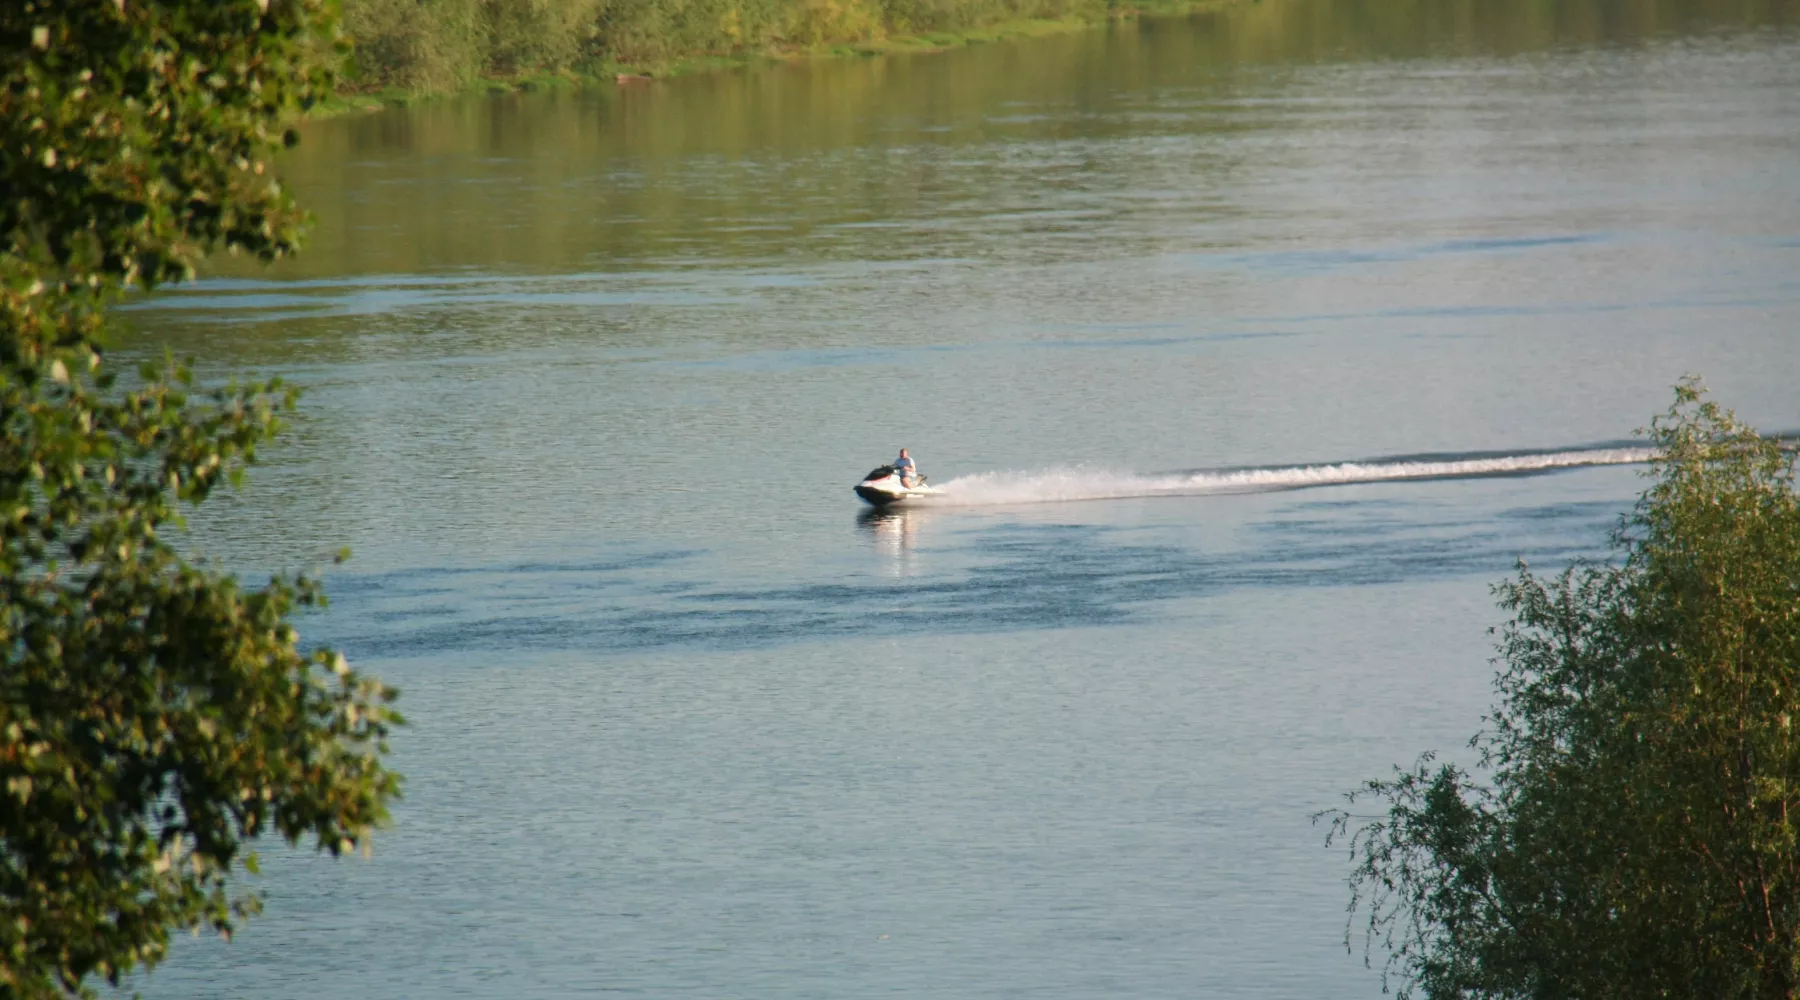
885 498
887 491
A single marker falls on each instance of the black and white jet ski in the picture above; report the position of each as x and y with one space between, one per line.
883 488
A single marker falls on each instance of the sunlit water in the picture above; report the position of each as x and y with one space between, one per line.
1251 350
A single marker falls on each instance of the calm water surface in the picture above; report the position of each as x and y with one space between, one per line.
591 377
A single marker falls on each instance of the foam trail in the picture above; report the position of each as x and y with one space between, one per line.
1052 485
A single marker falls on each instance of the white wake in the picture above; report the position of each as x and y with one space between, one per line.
1051 485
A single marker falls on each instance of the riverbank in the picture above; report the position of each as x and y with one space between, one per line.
401 61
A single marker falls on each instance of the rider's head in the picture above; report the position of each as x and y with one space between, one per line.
903 453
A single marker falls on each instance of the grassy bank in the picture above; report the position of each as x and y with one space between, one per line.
406 49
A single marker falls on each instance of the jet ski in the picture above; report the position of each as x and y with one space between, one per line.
883 488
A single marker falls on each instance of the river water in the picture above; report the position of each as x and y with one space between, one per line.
1253 348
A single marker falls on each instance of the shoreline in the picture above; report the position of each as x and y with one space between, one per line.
609 74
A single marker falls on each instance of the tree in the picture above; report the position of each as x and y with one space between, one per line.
154 716
1630 829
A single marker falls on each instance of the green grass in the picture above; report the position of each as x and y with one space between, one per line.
685 49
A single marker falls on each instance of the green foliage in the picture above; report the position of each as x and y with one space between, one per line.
527 35
153 715
1636 834
438 45
417 46
443 44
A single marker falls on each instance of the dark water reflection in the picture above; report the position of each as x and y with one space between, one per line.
993 577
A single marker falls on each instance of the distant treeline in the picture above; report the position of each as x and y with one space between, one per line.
437 45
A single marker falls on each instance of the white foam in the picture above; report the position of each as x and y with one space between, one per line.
1052 485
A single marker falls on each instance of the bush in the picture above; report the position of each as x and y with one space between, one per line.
1633 826
416 46
440 45
525 36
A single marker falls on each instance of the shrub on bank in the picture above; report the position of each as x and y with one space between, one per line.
439 45
442 44
1631 825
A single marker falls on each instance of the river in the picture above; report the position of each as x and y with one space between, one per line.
1256 346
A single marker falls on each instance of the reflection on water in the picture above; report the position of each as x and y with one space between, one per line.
589 376
985 573
895 531
978 152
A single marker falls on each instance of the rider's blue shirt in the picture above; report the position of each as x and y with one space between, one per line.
904 466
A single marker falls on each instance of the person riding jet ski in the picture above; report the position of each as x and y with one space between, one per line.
905 467
899 482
